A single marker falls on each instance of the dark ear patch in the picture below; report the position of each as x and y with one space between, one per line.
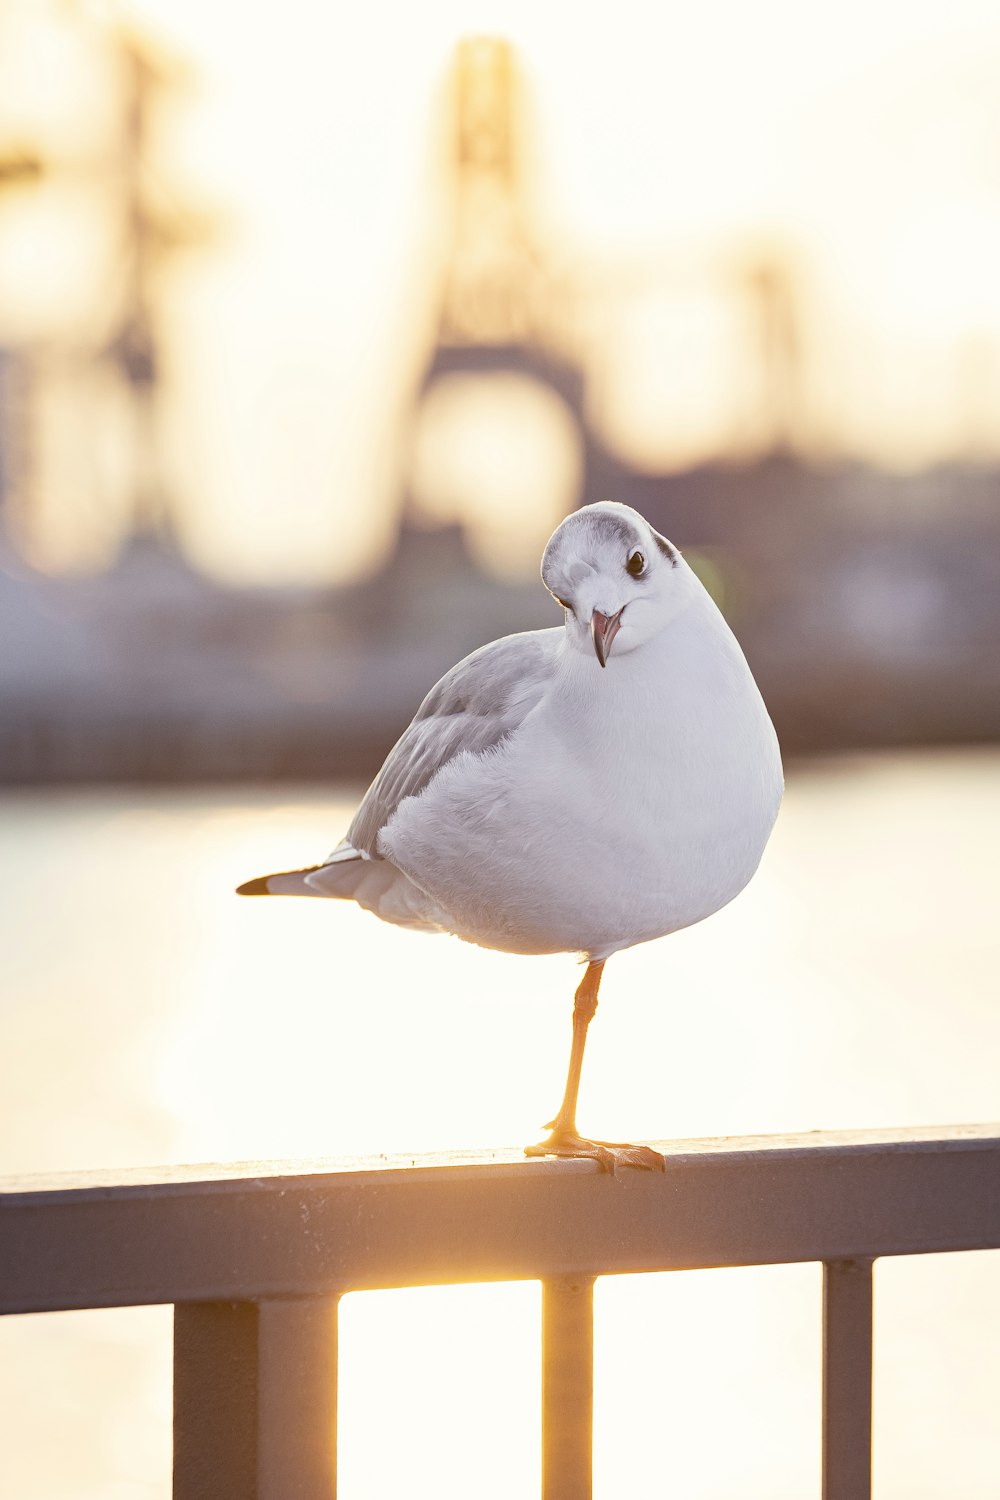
665 547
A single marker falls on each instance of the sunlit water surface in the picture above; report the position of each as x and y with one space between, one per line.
146 1015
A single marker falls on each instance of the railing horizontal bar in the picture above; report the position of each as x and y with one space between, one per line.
220 1235
847 1380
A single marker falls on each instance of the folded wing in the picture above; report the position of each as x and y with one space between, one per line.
475 707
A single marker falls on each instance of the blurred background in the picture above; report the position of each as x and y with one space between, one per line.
307 341
313 324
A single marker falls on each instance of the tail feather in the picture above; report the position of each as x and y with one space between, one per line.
284 883
375 884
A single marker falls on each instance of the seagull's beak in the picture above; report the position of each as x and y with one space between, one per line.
604 628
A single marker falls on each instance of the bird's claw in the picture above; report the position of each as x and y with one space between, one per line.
609 1155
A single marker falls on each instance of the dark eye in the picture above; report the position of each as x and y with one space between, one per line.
636 564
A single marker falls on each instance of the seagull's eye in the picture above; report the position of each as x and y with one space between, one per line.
636 564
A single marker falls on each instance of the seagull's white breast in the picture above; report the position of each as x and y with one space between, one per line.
631 802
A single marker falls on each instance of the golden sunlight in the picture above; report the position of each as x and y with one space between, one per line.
293 294
854 146
310 1029
501 454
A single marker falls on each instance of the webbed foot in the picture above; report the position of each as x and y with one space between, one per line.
608 1154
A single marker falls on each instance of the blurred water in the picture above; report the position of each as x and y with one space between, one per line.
147 1015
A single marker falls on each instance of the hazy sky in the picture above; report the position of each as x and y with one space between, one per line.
668 144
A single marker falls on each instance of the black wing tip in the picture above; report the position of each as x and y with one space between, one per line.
261 887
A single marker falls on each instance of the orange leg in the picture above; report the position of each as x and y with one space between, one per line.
565 1140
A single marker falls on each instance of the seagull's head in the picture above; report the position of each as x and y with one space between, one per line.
618 580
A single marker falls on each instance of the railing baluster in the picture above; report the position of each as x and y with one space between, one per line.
215 1401
847 1380
297 1400
255 1400
567 1387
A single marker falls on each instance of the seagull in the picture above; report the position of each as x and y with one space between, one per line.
579 789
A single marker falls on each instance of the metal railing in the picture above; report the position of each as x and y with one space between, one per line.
254 1258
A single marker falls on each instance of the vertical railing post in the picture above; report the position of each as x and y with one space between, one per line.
297 1400
255 1400
847 1380
215 1401
567 1387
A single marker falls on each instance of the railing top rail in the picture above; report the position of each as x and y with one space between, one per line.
263 1229
268 1175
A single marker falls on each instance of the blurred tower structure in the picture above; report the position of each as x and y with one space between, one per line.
15 447
134 348
497 290
504 308
108 361
777 334
152 233
18 166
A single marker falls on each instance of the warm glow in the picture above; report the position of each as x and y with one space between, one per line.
745 227
454 1374
246 1029
501 454
855 144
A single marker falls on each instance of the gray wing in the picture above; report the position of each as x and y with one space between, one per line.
475 706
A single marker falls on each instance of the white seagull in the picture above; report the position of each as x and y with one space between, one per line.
539 803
